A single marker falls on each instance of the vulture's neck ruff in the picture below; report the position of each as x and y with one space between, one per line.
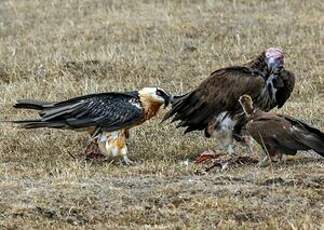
258 63
268 65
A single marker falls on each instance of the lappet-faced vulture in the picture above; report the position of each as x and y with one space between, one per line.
214 106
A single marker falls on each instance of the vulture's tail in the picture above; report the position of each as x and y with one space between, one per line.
33 124
36 123
315 142
176 100
190 110
31 104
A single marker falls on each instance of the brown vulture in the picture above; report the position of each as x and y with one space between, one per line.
280 134
106 116
214 106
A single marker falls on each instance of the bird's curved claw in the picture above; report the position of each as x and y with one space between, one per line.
127 161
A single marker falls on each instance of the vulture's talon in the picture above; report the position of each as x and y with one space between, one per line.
127 161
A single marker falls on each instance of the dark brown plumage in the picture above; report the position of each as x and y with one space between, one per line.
280 134
214 105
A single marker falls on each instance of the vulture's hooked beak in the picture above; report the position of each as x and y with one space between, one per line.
274 59
275 64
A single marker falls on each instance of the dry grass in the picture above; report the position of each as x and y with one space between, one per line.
46 48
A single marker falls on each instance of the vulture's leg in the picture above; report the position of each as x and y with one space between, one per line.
265 160
126 160
248 143
120 147
127 134
244 139
116 145
270 155
123 153
228 143
284 158
230 150
277 157
225 139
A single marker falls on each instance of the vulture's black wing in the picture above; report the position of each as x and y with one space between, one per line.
108 111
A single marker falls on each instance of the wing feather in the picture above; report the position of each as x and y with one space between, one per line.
307 135
286 134
220 92
285 89
110 111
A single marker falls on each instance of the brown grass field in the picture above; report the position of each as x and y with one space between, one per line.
53 50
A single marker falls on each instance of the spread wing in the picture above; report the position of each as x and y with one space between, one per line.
218 93
109 111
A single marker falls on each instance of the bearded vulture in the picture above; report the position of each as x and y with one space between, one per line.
213 105
280 134
99 114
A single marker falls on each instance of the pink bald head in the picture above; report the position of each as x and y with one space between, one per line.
274 53
274 58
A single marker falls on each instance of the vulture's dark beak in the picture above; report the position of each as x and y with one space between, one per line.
166 97
167 100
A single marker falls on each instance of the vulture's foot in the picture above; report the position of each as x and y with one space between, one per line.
230 151
248 144
266 161
127 161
